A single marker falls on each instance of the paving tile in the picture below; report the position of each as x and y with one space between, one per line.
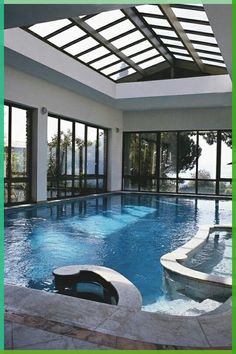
102 339
61 308
217 330
124 343
25 335
153 328
63 343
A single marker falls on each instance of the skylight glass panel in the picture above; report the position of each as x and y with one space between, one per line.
67 36
114 68
206 47
149 9
196 37
178 50
129 38
136 48
183 57
123 73
104 19
210 56
200 5
196 27
162 32
157 21
147 55
106 61
81 46
118 29
152 62
43 29
172 42
94 54
210 62
190 14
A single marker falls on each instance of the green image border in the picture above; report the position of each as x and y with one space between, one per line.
2 168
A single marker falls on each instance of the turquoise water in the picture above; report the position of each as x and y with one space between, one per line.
126 232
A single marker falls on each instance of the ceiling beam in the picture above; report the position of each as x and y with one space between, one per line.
172 19
133 15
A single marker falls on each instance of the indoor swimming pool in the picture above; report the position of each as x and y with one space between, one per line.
126 232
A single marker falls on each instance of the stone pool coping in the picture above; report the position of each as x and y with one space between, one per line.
128 294
172 261
118 327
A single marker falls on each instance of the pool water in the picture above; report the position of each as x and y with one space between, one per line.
126 232
215 257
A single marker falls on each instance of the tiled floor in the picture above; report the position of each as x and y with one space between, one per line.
17 335
41 320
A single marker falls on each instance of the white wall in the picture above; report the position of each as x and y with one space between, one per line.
30 91
178 119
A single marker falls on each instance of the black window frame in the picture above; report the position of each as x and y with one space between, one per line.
8 180
217 180
84 178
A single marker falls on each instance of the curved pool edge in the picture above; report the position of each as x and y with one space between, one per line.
122 327
172 261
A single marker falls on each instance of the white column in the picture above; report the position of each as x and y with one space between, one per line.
39 156
114 165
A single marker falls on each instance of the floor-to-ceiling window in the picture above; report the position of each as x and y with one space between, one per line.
76 158
17 140
193 162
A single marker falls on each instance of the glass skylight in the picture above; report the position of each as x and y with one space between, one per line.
210 62
149 54
81 46
210 56
129 38
157 21
196 27
113 68
196 37
118 29
67 36
136 48
119 43
190 14
206 47
149 9
106 61
183 57
152 62
178 50
94 54
172 42
46 28
104 19
162 32
123 73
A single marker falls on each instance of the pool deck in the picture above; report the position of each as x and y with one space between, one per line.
36 319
